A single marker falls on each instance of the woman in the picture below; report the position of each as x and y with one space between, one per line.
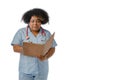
33 68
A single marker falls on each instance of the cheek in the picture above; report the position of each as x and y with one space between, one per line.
39 24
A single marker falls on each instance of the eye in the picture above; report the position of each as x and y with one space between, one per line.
32 21
38 20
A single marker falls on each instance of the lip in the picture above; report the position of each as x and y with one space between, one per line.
35 26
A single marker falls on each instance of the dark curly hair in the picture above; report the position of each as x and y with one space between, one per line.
36 12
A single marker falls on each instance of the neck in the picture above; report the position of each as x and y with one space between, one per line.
35 32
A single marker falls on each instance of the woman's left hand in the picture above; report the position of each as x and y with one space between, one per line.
42 58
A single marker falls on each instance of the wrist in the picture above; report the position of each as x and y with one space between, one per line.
46 57
21 49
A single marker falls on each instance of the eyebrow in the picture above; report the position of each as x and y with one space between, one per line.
39 19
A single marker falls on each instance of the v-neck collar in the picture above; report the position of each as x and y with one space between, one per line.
40 31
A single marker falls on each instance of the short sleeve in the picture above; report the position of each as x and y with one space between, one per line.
17 38
54 44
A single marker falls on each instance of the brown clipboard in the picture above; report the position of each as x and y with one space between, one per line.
32 49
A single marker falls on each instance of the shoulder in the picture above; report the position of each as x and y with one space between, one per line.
47 32
21 30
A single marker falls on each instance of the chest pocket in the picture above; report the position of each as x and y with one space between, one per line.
43 39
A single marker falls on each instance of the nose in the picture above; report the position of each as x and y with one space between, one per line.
35 22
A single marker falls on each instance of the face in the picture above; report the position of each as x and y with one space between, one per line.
35 23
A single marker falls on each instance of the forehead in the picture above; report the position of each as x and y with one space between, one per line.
35 17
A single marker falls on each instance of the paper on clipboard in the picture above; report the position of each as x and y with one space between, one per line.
32 49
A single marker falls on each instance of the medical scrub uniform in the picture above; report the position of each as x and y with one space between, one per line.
31 68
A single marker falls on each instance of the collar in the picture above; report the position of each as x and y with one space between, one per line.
42 31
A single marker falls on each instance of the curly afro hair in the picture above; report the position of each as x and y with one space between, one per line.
36 12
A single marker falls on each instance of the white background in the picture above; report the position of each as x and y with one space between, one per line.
87 34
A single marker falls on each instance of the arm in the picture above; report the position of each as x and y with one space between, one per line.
50 53
17 48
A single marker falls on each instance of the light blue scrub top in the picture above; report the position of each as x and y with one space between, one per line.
27 64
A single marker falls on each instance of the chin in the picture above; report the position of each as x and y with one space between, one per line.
36 29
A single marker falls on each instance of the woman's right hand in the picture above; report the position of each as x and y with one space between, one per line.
17 48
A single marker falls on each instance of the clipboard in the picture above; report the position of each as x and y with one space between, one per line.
35 50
